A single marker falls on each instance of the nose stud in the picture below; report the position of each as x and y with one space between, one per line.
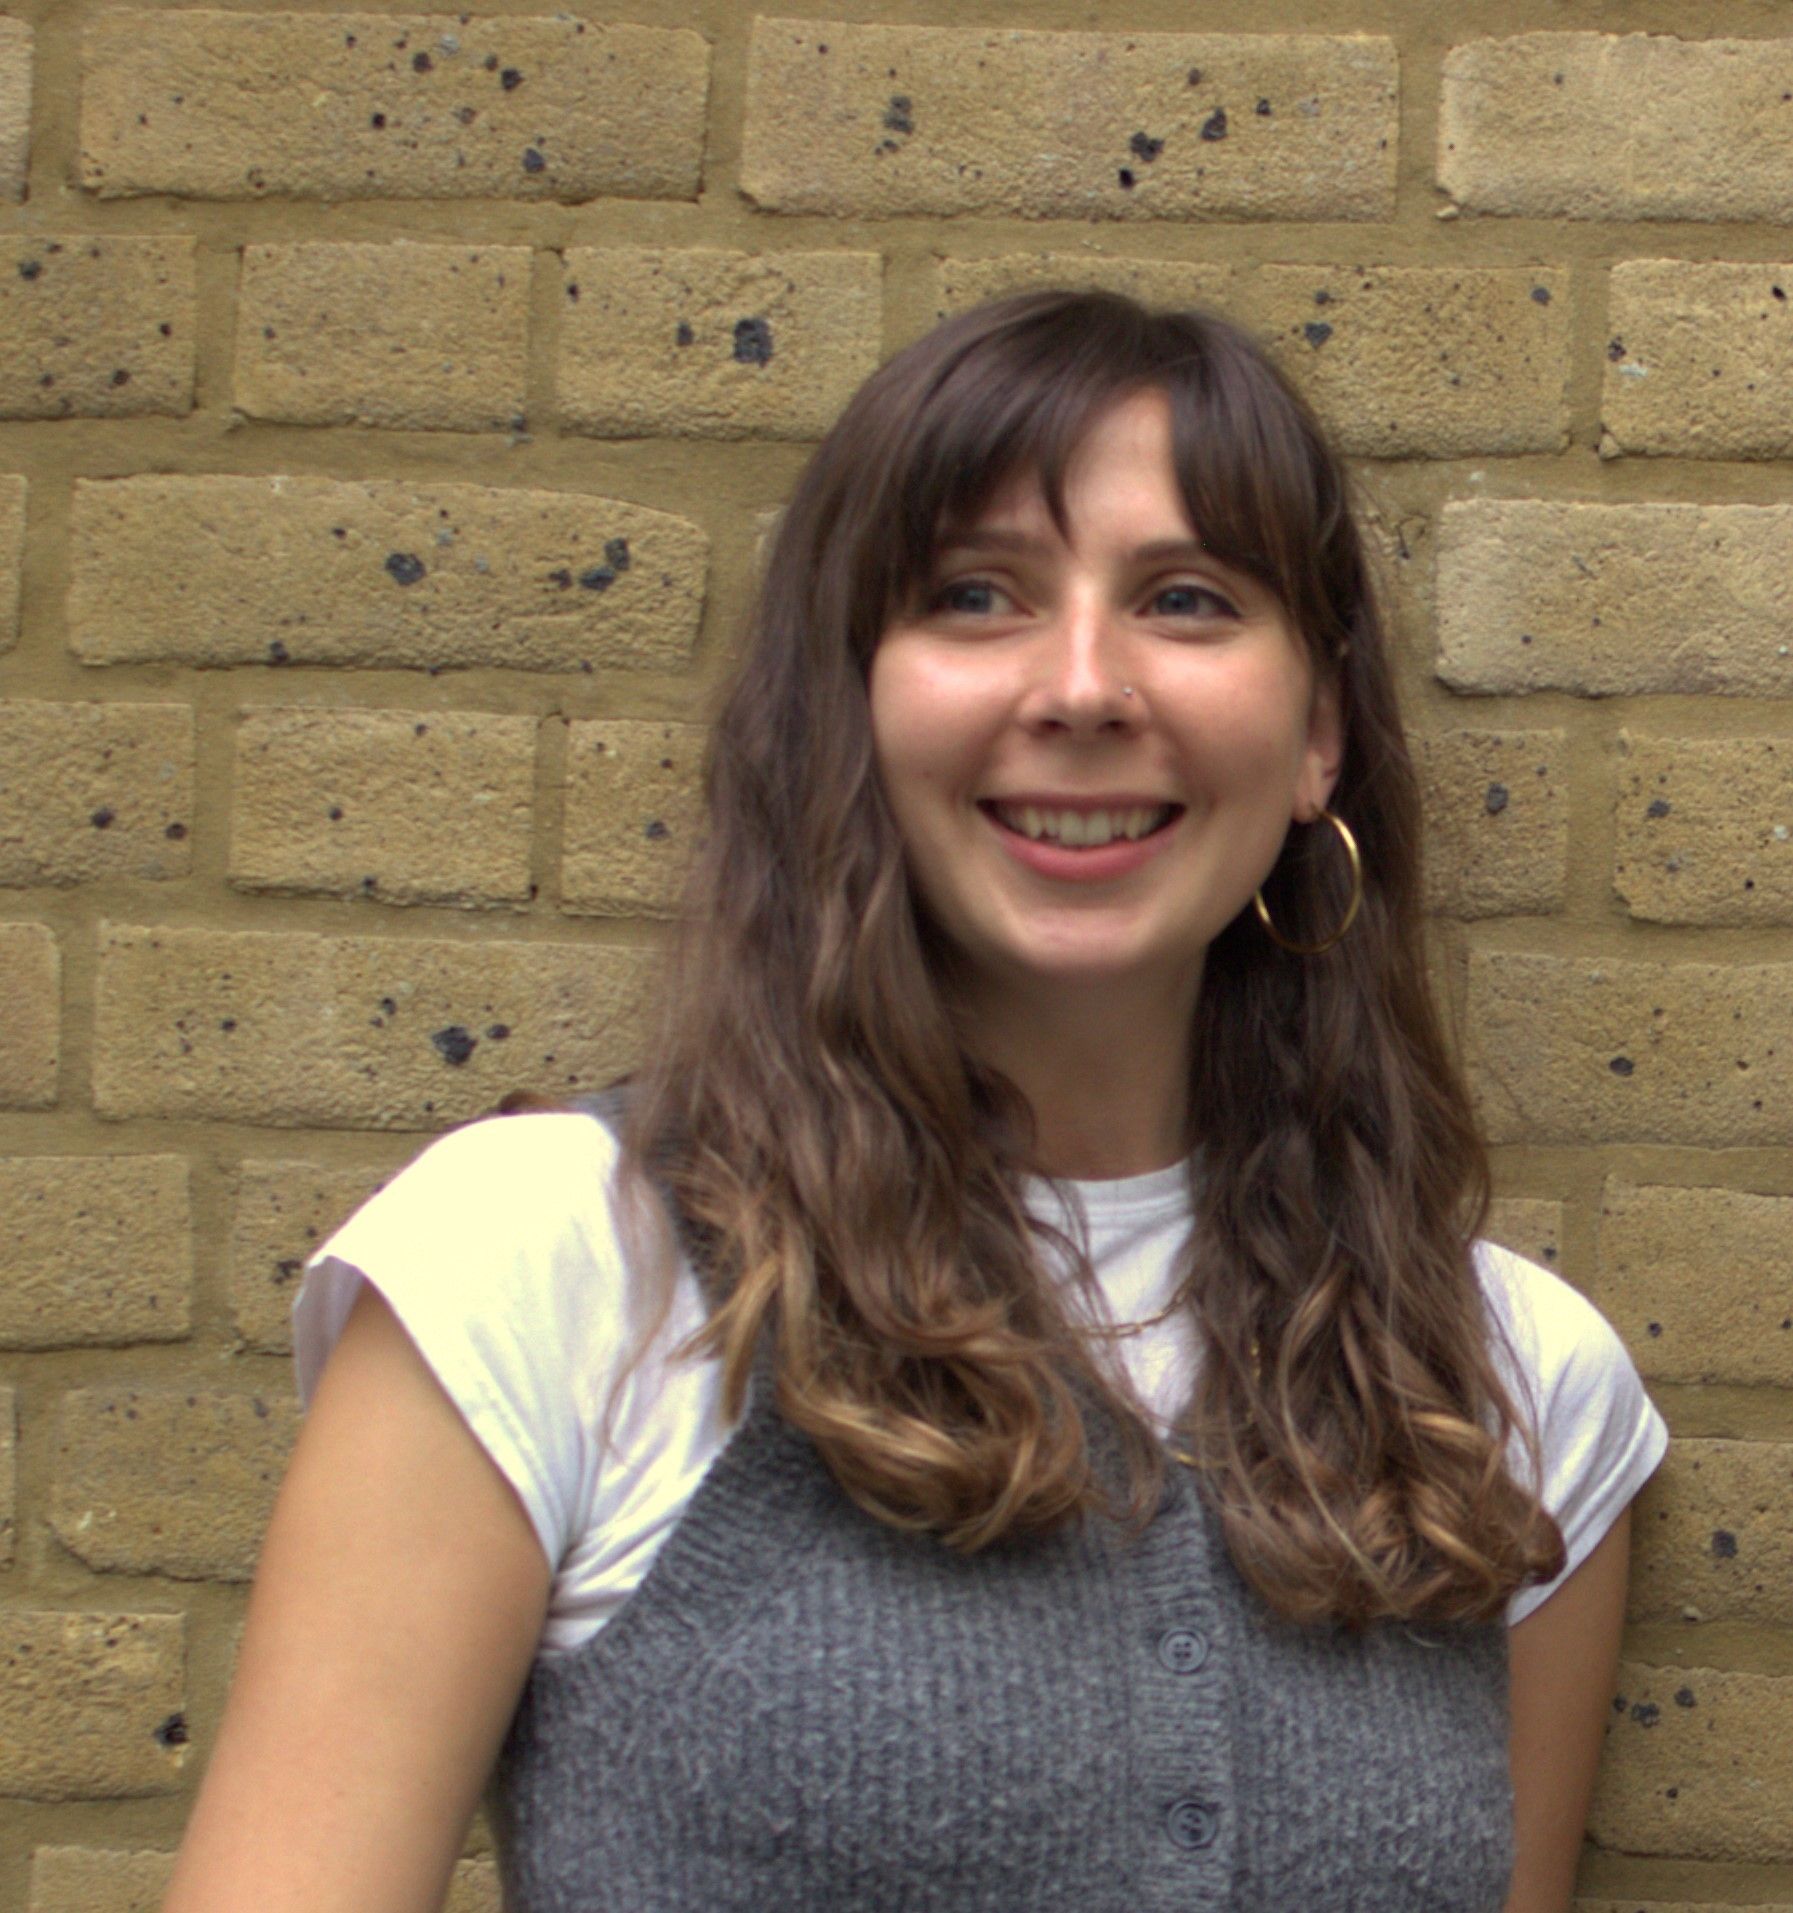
1126 690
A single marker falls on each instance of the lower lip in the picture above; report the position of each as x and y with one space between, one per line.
1096 865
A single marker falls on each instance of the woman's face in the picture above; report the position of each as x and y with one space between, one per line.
1094 745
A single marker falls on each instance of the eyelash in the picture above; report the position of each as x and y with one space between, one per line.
1226 607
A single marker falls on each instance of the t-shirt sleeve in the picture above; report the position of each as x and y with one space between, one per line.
496 1249
1600 1436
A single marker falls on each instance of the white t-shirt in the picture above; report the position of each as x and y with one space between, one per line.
499 1249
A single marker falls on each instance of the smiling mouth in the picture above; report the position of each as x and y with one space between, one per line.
1083 829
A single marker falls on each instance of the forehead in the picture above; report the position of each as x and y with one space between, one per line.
1118 472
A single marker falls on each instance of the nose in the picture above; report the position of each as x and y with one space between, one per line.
1081 679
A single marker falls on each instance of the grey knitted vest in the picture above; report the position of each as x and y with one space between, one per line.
802 1708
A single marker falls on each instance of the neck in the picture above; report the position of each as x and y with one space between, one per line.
1104 1069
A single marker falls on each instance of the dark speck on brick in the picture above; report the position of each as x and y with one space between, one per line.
510 79
1659 807
120 376
1316 332
336 813
1653 1330
1615 350
1195 76
1724 1545
498 1032
562 577
1646 1713
533 162
654 829
753 342
455 1044
30 268
1125 176
377 122
1541 294
899 117
684 335
405 567
1621 1066
616 553
1684 1697
1214 126
227 1024
176 833
101 818
421 63
173 1731
1143 146
390 1007
1264 109
277 652
1779 292
1496 799
598 578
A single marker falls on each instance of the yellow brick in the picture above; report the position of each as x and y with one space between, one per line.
99 1250
425 337
12 543
378 572
9 1476
90 1704
1705 829
1711 1535
1611 600
31 989
474 1888
1604 126
94 790
1497 821
1700 363
1579 1050
1426 361
155 1481
872 121
1699 1282
217 105
709 344
283 1211
1698 1763
633 811
98 1880
1674 1906
352 1032
1159 283
1529 1226
15 106
96 326
401 806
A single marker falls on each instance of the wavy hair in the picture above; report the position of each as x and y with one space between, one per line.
856 1177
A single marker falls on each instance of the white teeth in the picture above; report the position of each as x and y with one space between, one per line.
1082 829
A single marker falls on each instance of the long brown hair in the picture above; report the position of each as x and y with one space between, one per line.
858 1177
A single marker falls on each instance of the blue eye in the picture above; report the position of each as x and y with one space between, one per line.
975 596
1190 600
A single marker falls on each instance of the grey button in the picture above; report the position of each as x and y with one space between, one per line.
1183 1649
1192 1824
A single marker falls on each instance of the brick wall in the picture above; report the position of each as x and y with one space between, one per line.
390 403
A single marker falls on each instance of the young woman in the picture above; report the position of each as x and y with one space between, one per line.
1006 1408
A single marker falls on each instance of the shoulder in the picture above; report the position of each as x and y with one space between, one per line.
1599 1435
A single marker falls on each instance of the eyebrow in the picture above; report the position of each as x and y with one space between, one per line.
1024 544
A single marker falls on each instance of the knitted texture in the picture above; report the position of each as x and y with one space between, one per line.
801 1707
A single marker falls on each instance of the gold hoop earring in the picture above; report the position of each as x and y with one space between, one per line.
1351 909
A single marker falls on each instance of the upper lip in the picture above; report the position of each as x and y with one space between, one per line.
1082 802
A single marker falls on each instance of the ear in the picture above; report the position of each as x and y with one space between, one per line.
1323 753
